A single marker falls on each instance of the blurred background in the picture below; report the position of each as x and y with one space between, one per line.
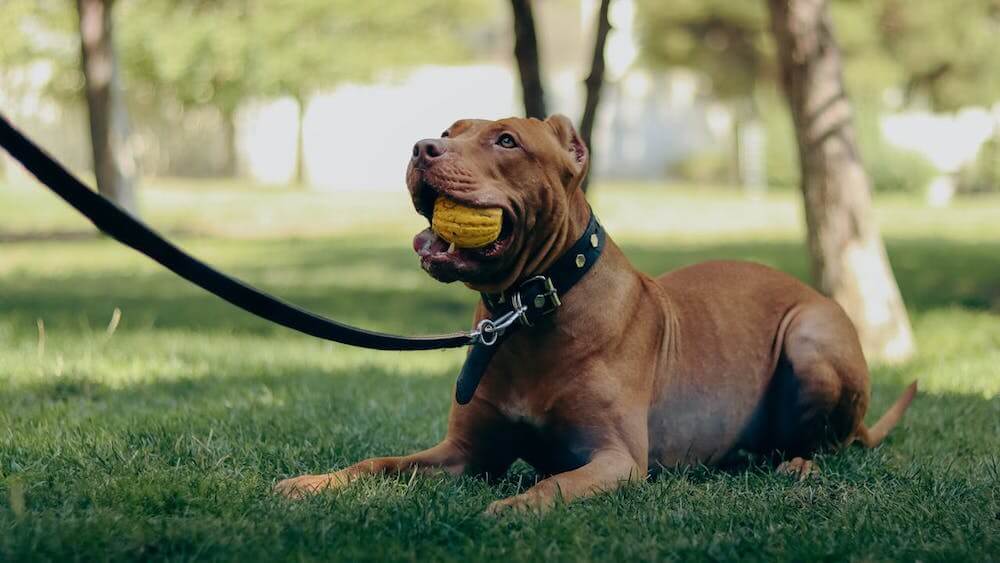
330 95
851 143
802 130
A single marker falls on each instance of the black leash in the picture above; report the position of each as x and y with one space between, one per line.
131 232
524 307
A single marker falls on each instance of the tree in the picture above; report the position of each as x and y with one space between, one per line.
529 68
944 53
849 261
195 54
42 31
15 49
320 43
594 83
74 42
882 44
948 50
526 55
723 40
114 166
190 53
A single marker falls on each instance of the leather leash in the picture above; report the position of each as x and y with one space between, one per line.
121 226
533 299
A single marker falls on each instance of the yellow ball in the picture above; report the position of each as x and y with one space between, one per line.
466 227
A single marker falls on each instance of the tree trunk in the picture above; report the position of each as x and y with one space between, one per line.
300 145
526 53
594 83
114 164
849 261
231 164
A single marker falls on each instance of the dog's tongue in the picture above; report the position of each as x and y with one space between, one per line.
427 242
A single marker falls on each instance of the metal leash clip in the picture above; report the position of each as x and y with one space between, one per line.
488 331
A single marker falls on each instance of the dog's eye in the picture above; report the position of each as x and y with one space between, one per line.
507 141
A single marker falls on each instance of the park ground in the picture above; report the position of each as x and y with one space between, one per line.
158 437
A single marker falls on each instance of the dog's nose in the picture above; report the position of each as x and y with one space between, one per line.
428 149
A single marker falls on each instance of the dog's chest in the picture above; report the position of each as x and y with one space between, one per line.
543 439
520 410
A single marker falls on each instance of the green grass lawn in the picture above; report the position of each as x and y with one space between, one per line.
161 439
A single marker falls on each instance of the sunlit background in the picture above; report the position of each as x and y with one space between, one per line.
269 95
270 120
270 137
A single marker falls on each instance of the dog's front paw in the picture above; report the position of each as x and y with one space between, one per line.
298 487
526 502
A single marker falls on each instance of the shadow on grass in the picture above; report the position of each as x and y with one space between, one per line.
179 466
330 418
181 469
364 285
931 273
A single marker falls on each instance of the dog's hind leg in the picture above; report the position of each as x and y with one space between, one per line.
799 468
821 389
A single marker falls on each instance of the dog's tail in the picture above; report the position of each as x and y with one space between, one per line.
871 437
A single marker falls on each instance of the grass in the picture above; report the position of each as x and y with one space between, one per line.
160 440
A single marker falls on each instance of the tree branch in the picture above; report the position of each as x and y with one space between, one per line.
526 53
594 83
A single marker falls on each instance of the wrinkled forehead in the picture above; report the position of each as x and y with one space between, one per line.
518 125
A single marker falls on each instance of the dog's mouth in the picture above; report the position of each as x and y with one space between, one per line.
445 261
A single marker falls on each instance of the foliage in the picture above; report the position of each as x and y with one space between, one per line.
181 55
983 174
948 50
944 52
186 52
730 44
42 31
16 20
300 47
891 169
200 53
704 167
223 53
160 441
721 39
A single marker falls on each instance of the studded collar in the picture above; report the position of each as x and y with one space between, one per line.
534 298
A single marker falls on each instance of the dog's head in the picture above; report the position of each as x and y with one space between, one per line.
528 168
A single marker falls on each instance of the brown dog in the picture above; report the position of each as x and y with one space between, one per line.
631 372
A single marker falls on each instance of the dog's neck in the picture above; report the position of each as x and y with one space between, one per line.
568 227
533 301
571 227
586 320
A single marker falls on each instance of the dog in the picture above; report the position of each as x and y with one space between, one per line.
699 366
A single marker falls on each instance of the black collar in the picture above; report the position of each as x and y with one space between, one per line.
534 298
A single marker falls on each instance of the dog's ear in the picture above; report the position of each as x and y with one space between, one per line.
570 140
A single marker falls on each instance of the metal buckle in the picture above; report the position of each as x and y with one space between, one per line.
545 301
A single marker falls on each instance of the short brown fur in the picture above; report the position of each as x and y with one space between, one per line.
632 373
